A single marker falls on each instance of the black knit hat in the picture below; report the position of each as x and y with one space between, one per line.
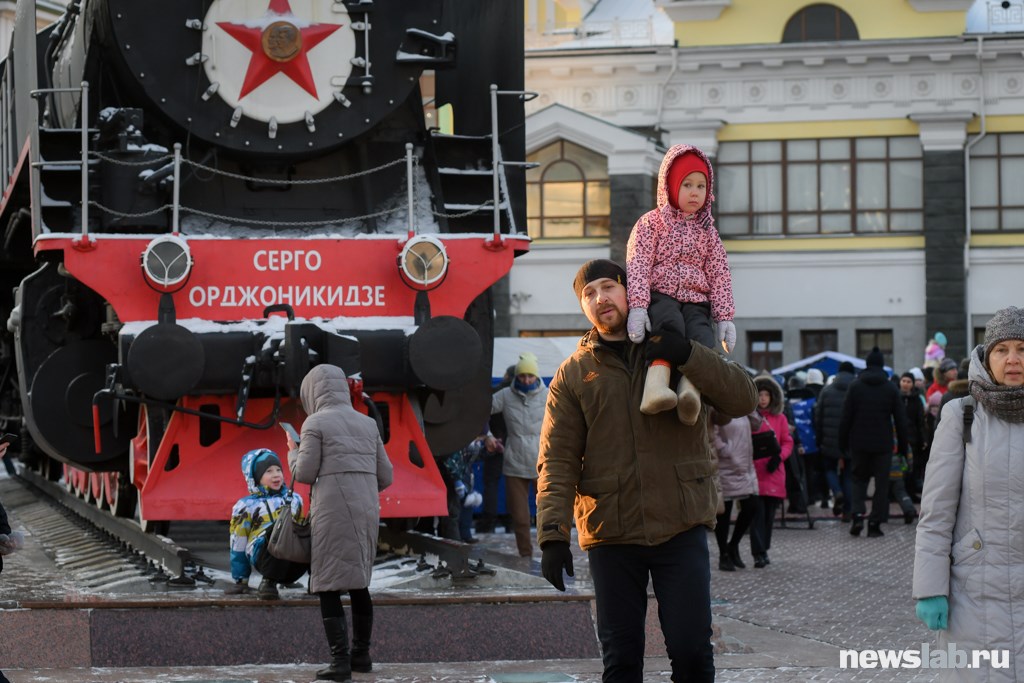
264 462
846 366
595 270
875 359
1005 324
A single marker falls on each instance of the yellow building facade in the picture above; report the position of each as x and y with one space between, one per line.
866 156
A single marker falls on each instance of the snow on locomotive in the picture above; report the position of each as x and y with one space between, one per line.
202 200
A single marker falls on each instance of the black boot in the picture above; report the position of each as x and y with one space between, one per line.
737 560
857 526
725 563
875 529
362 629
337 638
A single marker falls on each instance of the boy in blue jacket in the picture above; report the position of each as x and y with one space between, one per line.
255 513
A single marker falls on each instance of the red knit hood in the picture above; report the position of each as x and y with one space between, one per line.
664 204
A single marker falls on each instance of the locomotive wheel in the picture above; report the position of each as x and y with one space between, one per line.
124 494
69 479
82 487
98 490
109 487
152 526
81 483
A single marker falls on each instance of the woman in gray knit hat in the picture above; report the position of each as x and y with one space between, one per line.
969 563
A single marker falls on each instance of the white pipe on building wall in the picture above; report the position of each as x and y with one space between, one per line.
969 339
661 90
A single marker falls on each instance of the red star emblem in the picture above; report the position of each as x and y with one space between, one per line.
269 57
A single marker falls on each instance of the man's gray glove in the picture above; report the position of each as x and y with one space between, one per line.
555 557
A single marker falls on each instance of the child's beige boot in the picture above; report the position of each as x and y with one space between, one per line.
688 402
657 395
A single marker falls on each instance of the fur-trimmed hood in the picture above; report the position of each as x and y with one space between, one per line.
959 386
768 382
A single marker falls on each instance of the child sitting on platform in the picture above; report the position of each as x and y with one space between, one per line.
254 514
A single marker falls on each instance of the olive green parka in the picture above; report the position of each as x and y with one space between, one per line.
627 477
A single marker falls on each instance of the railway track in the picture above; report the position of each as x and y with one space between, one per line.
98 543
105 552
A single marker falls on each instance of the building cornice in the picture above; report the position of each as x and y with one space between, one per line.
627 152
693 10
804 82
941 5
942 131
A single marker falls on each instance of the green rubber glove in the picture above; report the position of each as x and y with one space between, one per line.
934 612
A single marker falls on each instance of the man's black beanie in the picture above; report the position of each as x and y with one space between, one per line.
595 270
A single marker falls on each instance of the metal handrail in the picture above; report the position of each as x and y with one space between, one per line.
83 112
408 175
496 161
8 140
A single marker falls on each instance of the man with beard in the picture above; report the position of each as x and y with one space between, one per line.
639 486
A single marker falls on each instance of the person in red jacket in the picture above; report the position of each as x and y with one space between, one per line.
946 374
771 475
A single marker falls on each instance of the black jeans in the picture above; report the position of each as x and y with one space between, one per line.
866 466
681 573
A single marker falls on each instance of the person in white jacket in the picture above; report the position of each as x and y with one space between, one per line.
969 560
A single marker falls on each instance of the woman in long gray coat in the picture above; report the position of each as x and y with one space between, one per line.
341 454
969 564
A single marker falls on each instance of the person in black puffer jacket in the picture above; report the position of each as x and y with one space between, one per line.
828 413
871 409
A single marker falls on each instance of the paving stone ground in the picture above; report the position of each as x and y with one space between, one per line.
823 591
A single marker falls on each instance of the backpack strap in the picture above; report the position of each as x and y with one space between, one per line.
968 403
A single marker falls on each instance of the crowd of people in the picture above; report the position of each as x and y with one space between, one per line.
832 436
647 437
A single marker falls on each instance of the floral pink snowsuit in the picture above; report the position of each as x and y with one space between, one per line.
679 258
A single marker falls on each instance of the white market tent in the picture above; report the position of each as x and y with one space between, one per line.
826 361
550 352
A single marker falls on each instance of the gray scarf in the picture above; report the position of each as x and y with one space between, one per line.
1006 403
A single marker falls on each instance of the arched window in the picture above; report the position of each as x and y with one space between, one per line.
567 194
820 22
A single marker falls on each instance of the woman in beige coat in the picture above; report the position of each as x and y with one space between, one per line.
341 454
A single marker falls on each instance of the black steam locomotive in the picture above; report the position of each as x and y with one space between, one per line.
205 198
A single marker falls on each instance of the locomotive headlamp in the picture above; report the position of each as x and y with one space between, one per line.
423 262
167 261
